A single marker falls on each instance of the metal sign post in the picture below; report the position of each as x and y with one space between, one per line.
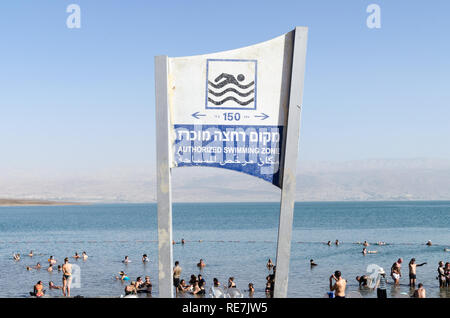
290 164
164 187
238 110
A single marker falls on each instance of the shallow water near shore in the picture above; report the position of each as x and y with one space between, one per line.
234 239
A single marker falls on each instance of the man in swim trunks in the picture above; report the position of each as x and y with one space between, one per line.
339 286
412 271
176 274
67 277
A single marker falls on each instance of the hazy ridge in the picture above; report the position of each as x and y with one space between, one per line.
364 180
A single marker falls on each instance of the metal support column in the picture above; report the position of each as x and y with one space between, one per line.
290 163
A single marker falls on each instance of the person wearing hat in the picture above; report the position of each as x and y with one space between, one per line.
381 284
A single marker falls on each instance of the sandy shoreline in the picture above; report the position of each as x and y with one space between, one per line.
19 202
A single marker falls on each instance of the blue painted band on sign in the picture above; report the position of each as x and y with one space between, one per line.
254 150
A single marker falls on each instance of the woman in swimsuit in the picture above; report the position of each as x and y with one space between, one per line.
38 289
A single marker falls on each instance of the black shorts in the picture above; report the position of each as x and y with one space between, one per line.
381 293
339 296
176 282
412 276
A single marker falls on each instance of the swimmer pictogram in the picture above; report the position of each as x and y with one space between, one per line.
231 84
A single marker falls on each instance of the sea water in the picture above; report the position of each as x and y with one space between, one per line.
234 239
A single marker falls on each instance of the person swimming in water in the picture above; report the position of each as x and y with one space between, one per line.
50 268
30 254
251 289
52 285
311 263
122 276
38 266
16 256
365 251
201 263
329 243
145 258
126 260
336 242
84 256
76 256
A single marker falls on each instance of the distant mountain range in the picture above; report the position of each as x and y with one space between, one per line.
364 180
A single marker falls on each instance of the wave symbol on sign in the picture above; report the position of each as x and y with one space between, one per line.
230 86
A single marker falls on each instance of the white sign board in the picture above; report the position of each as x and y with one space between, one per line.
228 109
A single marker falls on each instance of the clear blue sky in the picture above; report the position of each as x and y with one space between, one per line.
84 98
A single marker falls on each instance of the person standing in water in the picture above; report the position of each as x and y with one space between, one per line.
269 264
380 285
396 271
441 275
67 277
412 271
176 274
339 286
